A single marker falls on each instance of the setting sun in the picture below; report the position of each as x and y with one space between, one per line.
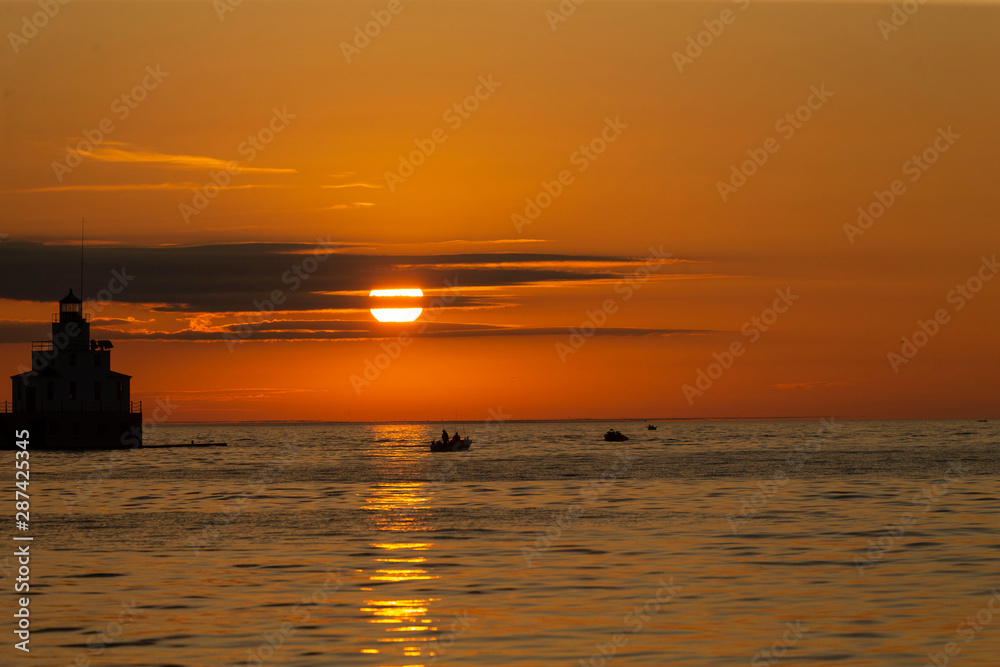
395 314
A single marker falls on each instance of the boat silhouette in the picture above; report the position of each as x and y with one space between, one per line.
450 446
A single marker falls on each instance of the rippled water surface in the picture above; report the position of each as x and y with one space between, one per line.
700 543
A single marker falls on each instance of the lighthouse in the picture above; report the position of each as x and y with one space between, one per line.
71 399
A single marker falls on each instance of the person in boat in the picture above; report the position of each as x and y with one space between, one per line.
456 439
444 436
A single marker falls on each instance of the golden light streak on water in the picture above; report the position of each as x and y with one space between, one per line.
399 509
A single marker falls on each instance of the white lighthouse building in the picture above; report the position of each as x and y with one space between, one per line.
71 399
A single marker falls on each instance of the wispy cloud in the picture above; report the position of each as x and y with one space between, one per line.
121 187
76 242
487 242
610 264
136 155
353 185
808 385
423 247
221 395
340 207
359 245
290 330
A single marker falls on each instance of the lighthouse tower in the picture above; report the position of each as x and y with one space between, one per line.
71 399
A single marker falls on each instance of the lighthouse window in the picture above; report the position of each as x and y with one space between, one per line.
97 360
97 391
72 391
48 390
121 390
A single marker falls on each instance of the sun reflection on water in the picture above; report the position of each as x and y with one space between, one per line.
398 513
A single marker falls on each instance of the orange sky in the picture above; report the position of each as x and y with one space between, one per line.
328 132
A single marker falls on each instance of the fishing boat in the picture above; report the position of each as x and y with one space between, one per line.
650 427
460 446
615 436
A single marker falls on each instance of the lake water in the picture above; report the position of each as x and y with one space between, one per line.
700 543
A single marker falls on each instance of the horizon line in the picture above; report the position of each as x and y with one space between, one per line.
583 419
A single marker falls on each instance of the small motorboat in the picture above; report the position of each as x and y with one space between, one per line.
615 436
650 427
460 446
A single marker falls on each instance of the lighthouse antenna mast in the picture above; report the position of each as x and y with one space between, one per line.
81 257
